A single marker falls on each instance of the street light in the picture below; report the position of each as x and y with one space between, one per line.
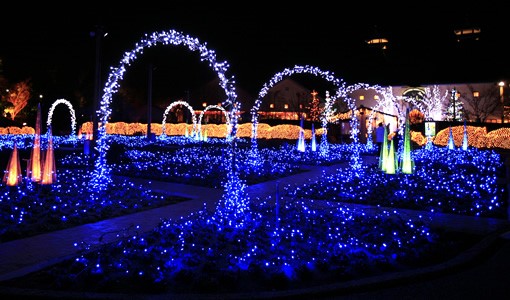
501 94
363 124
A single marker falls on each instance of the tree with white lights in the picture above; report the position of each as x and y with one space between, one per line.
315 110
455 109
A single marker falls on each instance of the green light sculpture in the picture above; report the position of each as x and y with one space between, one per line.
407 160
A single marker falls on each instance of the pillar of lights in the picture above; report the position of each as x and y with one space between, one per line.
172 105
71 110
327 113
101 176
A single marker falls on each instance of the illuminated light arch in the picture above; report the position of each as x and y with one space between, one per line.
172 105
431 102
329 76
208 108
101 176
384 104
71 110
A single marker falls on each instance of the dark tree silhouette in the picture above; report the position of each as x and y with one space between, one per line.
485 103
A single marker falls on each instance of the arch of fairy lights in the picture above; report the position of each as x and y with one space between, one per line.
208 108
172 105
71 110
431 103
101 176
386 103
329 76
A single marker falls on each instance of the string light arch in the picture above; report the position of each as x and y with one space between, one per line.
287 72
169 108
101 176
209 107
71 110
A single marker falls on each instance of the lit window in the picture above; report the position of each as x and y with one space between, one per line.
286 106
271 105
376 97
361 97
476 94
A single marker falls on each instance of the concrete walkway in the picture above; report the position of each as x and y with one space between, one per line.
23 256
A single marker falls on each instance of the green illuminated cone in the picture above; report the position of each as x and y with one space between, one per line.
383 155
391 164
407 160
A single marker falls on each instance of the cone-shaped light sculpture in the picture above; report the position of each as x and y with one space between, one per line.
407 160
34 164
12 175
49 174
383 155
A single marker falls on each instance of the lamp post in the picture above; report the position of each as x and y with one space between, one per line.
363 125
501 85
98 34
149 104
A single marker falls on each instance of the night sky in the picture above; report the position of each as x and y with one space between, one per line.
54 47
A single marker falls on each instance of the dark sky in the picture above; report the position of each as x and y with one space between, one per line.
53 46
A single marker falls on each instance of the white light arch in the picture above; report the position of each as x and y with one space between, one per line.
101 176
172 105
71 110
208 108
329 76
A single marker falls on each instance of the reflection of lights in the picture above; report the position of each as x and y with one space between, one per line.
379 41
467 33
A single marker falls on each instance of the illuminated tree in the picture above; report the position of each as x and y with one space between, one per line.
315 110
455 109
479 104
18 97
432 103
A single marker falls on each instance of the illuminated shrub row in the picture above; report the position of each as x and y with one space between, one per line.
211 130
478 137
16 130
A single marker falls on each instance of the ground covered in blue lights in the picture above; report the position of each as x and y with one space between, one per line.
315 237
303 248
